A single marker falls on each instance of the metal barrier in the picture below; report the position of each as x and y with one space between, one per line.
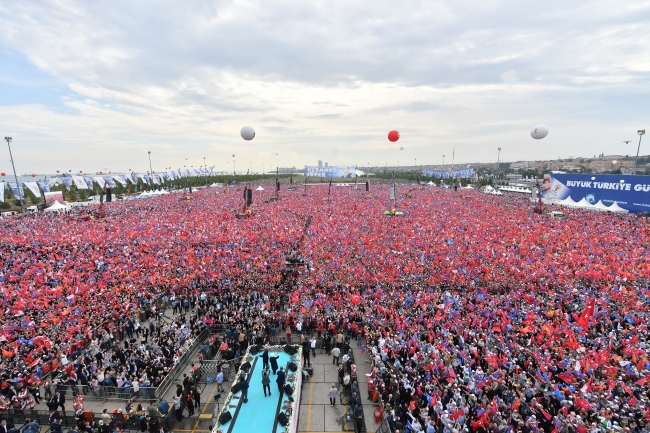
383 426
107 392
41 417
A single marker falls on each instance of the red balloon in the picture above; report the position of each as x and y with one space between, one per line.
33 175
100 172
80 171
129 169
356 299
57 171
393 135
3 173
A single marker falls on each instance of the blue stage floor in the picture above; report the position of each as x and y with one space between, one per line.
259 414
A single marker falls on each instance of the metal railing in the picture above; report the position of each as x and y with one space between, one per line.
41 417
107 392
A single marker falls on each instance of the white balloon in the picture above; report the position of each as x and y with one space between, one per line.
539 131
247 133
401 148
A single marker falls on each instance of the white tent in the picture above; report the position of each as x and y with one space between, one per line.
56 207
567 202
430 183
489 190
467 187
259 188
616 208
601 206
584 204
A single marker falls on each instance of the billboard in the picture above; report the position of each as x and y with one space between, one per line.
629 192
334 171
463 172
51 196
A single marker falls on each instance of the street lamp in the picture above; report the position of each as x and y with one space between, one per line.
636 161
150 170
498 157
20 194
443 161
205 167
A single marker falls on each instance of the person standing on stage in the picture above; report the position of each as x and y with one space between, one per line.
266 382
280 380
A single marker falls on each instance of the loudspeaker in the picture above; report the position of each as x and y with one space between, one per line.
292 366
367 187
290 349
235 388
253 350
225 417
246 366
282 419
288 389
109 195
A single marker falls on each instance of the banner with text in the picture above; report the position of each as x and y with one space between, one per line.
629 192
332 171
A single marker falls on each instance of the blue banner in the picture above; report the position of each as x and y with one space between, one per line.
44 184
629 192
332 171
463 173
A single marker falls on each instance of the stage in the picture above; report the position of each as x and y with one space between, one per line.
261 414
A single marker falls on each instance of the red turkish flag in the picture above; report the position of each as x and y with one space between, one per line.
587 314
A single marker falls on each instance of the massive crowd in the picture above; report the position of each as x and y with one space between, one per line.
471 305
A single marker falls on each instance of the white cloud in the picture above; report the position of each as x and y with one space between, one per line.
327 80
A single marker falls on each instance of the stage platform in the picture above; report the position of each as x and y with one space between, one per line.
261 413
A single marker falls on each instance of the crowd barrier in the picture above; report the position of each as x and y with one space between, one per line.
125 423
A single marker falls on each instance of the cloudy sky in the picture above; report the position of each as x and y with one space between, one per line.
86 85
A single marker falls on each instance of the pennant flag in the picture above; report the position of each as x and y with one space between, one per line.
79 182
33 187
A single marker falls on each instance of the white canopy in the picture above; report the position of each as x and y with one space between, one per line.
601 206
259 188
616 208
584 204
430 183
56 207
567 202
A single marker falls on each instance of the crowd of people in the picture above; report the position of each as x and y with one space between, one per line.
471 305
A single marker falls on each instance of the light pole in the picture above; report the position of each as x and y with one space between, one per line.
636 161
443 161
150 170
205 167
498 157
20 194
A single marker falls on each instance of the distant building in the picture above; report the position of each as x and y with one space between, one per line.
320 163
520 164
325 163
287 170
